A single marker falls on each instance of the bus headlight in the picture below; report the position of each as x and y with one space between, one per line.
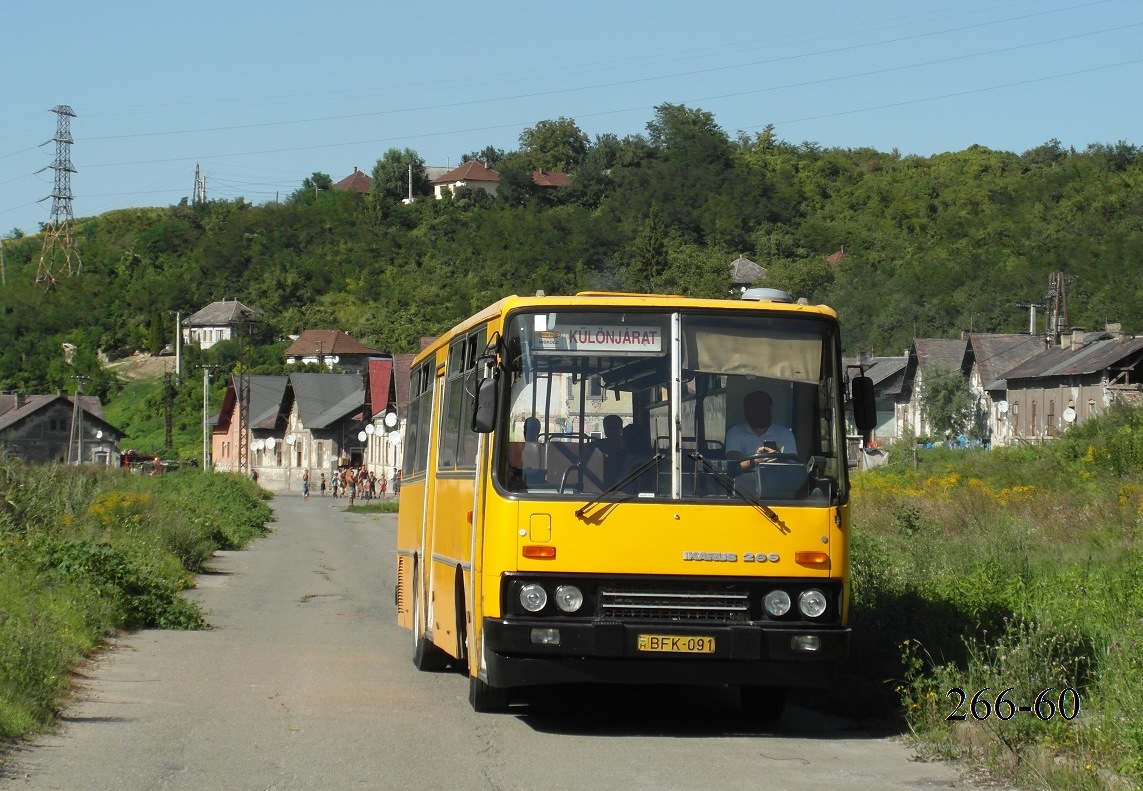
569 598
812 602
777 603
533 597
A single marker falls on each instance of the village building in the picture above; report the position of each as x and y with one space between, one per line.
58 428
218 321
330 349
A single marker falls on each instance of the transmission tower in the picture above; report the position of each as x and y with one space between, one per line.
58 242
199 187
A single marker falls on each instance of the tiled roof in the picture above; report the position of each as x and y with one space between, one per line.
267 397
941 353
997 354
839 256
221 314
335 342
549 178
380 381
743 271
11 414
402 368
355 182
883 369
1090 359
469 171
326 398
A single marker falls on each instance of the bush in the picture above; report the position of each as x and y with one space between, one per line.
85 552
1014 568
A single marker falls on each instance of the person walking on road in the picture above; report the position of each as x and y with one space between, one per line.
321 485
336 483
306 485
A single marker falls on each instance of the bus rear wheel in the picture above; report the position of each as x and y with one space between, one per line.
426 656
765 704
486 699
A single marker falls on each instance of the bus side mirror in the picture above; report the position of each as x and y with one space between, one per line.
484 408
864 404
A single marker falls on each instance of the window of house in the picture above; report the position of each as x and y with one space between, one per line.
1050 422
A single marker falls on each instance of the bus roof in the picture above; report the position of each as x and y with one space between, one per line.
617 299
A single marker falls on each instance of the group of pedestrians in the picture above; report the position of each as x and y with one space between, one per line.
352 483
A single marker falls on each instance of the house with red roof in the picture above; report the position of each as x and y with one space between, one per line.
355 182
330 348
470 174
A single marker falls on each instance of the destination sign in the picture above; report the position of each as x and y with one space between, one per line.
601 338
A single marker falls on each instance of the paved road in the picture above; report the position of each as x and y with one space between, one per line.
305 682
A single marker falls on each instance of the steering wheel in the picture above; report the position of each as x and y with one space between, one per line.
785 458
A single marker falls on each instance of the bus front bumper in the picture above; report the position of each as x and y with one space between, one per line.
522 653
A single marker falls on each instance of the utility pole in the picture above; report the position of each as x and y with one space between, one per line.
1057 308
168 409
75 440
57 240
206 417
178 347
244 463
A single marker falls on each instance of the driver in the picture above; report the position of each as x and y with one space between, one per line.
758 434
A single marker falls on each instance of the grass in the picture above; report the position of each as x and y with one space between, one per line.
1014 571
84 553
377 507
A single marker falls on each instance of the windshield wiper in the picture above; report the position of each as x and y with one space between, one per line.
726 482
642 468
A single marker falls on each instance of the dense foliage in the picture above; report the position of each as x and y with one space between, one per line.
84 553
934 244
1007 574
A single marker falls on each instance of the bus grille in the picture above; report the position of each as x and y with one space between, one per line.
661 604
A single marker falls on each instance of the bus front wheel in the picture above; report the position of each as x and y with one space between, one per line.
486 699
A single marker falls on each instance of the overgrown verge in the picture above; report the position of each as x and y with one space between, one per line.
86 552
997 607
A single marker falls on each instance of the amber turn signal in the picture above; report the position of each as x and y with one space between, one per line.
539 552
815 559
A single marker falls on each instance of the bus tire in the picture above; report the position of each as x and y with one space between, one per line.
486 699
426 656
765 704
461 623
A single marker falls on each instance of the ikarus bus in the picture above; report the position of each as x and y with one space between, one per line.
630 488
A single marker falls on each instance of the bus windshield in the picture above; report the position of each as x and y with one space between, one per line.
711 406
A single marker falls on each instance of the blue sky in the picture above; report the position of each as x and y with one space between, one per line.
261 95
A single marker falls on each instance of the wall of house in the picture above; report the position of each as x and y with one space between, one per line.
206 337
45 435
1036 410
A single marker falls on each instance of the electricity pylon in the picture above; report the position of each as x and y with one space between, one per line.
58 242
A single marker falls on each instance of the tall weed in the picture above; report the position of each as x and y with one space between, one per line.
84 552
1029 559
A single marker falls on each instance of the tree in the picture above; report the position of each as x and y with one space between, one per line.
490 156
516 187
649 260
689 136
391 176
554 145
947 401
312 185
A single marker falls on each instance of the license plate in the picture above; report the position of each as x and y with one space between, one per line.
676 644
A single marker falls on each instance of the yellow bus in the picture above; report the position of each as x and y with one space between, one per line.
630 488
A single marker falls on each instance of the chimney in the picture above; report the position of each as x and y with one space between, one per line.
1077 339
1116 329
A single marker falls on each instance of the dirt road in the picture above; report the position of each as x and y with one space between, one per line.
305 682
